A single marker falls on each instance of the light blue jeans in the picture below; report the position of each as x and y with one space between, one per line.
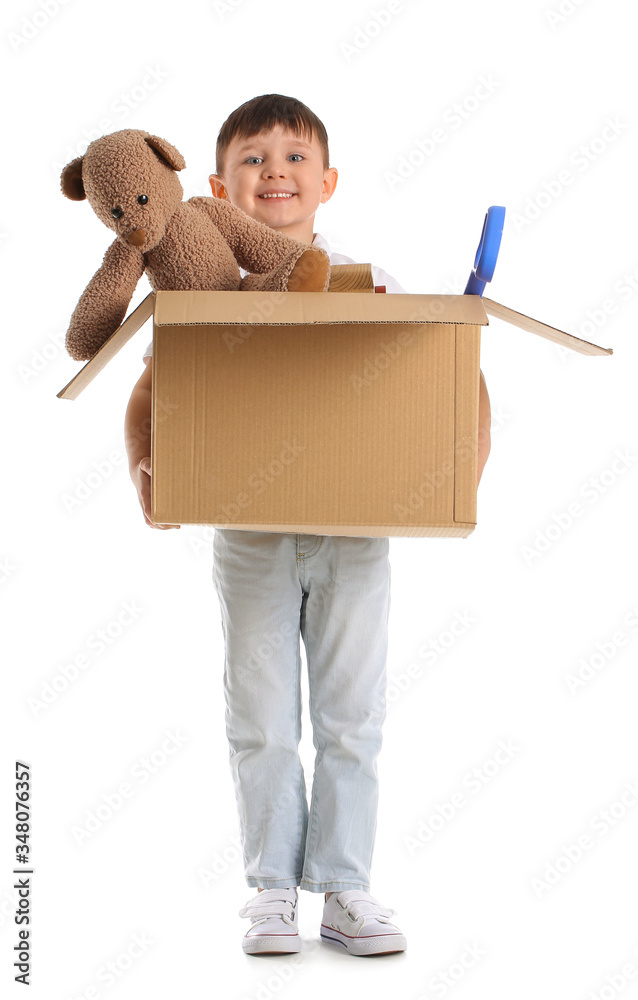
335 592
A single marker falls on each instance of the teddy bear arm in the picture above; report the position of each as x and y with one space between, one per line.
255 246
305 272
103 303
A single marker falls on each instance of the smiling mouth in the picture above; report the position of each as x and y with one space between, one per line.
276 197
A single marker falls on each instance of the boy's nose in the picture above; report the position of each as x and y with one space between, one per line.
276 170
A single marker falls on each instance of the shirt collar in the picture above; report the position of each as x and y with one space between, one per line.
319 241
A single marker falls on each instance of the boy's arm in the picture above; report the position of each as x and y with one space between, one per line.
137 438
485 420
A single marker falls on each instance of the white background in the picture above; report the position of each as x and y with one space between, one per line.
560 421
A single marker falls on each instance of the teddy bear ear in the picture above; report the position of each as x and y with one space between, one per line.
71 180
172 156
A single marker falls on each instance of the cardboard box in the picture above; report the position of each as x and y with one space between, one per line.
335 414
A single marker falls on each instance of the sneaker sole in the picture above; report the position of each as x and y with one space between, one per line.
378 945
275 944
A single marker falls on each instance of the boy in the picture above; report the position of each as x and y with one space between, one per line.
273 162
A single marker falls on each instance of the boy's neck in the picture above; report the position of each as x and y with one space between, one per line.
303 232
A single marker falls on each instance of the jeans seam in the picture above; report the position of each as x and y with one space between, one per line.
320 748
301 556
300 789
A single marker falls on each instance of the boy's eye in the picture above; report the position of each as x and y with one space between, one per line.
255 159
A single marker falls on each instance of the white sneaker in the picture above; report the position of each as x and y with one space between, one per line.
273 913
357 921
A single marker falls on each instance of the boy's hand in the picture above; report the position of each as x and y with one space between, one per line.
141 476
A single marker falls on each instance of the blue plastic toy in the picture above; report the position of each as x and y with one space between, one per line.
487 253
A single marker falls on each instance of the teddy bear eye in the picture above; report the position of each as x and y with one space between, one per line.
117 213
143 198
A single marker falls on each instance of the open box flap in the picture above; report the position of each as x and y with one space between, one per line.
242 308
342 276
109 348
549 332
257 308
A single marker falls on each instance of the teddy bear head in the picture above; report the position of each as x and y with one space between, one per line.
129 179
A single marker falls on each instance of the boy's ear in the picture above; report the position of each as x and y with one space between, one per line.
329 184
219 191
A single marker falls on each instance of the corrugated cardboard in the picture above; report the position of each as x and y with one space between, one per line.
339 414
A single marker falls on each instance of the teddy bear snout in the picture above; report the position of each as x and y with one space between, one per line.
136 237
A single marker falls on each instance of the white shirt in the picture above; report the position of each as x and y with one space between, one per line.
379 276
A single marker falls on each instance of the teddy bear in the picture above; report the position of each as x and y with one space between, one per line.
130 180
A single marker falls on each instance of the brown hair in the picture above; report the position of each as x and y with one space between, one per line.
261 114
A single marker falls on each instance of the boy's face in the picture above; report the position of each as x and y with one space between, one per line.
281 163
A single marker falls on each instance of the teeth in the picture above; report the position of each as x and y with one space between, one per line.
275 196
